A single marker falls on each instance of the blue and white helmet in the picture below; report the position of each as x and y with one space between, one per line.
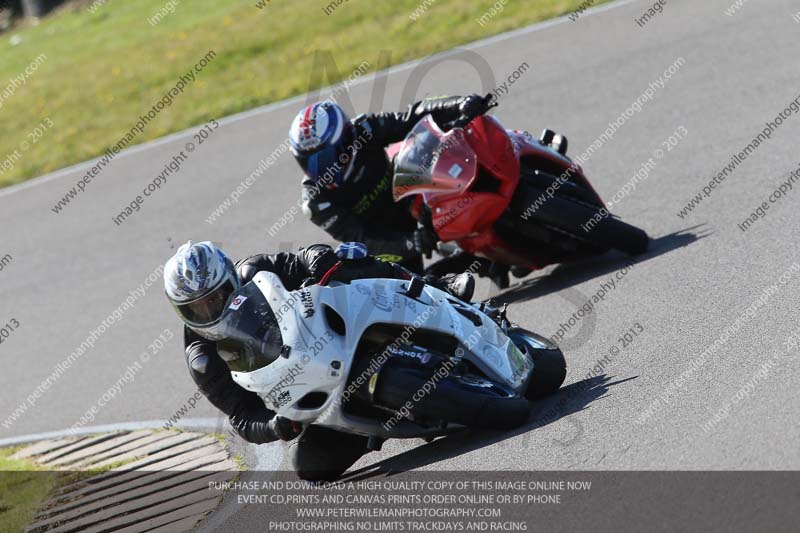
322 138
198 280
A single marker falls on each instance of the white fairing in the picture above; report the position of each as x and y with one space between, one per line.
320 359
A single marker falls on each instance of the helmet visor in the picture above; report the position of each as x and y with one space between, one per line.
207 309
329 165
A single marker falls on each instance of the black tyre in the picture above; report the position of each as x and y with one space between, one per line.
549 365
467 400
579 219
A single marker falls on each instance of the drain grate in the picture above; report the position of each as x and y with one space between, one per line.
164 483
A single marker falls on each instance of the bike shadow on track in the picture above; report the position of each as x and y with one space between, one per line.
567 275
568 400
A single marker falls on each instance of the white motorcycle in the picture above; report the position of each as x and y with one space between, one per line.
384 358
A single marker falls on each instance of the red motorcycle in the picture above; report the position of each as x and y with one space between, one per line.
502 195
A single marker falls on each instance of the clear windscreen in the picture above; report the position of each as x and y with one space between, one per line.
430 160
250 335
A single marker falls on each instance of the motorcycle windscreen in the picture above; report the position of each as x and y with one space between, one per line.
250 334
432 162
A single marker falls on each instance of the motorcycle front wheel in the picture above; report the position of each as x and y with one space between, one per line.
578 219
549 364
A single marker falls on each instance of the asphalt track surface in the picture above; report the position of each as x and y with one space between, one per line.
71 270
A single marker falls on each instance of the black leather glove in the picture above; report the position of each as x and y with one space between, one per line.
425 241
286 429
474 106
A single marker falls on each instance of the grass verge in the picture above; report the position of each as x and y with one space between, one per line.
23 489
96 71
25 485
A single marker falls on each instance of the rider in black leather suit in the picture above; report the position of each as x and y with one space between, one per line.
321 453
360 208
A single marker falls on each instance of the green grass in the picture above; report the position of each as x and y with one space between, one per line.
103 69
23 488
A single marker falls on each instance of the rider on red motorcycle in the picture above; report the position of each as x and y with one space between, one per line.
348 185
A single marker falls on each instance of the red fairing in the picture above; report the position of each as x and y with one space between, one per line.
463 216
468 179
495 152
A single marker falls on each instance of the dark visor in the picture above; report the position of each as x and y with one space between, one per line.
208 309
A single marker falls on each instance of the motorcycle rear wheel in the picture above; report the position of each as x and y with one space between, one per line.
569 215
470 401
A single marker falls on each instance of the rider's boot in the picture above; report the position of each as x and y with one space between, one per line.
520 272
322 454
